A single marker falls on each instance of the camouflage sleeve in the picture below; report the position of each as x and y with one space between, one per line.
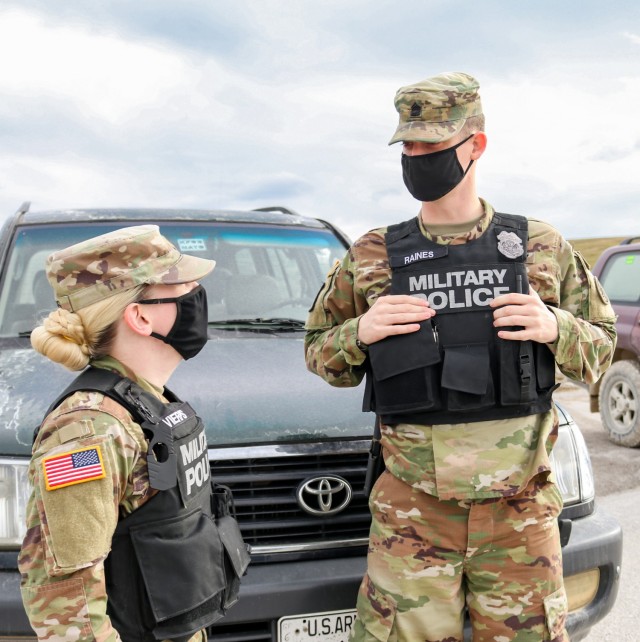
332 328
586 321
70 525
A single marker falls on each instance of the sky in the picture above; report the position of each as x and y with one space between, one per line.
239 104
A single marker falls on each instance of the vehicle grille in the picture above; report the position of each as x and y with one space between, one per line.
264 482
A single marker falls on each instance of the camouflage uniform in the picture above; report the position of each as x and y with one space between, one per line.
464 508
70 527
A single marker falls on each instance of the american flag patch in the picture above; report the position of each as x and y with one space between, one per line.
73 468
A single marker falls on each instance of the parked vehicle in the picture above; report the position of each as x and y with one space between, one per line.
617 394
293 450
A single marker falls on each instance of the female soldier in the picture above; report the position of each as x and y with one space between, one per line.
120 540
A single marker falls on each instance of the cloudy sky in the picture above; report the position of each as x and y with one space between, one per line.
246 103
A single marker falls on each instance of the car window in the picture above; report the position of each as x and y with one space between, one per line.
621 277
262 271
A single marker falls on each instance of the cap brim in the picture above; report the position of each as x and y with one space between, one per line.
424 132
188 268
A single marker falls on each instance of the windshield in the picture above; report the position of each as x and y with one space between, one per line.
262 271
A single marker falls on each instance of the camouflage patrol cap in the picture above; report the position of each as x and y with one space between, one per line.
436 109
105 265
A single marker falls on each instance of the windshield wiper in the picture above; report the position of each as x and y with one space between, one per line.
270 322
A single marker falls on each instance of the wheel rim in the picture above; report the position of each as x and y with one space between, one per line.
623 406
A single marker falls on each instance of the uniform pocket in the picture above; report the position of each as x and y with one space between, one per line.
595 304
550 497
177 576
319 317
407 392
376 614
555 608
57 608
406 372
402 353
236 558
466 375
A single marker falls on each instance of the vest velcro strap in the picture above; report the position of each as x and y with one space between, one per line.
525 370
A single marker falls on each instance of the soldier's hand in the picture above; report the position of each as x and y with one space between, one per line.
393 314
527 311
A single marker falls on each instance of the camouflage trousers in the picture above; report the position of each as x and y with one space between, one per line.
429 558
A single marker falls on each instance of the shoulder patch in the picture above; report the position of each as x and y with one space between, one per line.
75 467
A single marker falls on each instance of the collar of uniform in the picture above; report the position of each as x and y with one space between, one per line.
111 363
478 229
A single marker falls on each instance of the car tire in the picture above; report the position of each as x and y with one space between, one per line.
620 403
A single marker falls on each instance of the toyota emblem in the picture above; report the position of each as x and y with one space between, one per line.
324 495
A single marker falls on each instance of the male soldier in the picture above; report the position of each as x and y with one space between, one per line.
458 318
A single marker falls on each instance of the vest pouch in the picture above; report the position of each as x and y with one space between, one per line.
179 579
394 362
129 610
545 366
466 376
236 558
236 552
517 372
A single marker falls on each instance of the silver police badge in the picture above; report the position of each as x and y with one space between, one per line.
510 244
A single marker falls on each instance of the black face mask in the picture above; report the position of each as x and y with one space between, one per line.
188 335
429 177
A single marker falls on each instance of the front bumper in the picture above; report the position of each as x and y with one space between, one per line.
595 543
271 591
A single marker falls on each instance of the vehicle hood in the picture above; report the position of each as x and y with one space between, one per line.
248 387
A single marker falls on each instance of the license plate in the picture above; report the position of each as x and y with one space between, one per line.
332 626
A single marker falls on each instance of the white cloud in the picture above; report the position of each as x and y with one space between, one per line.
632 37
107 77
292 114
558 130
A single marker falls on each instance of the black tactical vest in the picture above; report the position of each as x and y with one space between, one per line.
456 369
176 562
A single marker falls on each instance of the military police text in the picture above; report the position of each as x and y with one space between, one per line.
199 472
459 288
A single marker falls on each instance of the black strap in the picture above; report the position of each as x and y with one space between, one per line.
400 230
142 405
516 221
375 465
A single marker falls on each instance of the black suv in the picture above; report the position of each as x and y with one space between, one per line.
293 449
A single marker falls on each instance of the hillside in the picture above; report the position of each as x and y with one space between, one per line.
591 249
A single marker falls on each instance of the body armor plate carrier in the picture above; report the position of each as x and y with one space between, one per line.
456 369
175 562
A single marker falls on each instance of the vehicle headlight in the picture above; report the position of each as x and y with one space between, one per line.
572 466
14 493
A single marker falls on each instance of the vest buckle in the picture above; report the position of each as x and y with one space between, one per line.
525 369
